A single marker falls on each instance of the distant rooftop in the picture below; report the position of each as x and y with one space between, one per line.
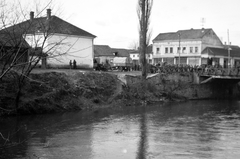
121 52
102 50
221 51
184 34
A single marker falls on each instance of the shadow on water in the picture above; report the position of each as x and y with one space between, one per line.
143 141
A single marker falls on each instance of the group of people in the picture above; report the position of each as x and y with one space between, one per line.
73 65
202 69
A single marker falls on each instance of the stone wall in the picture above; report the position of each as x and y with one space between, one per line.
186 85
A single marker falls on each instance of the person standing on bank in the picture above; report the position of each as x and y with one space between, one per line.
74 64
70 64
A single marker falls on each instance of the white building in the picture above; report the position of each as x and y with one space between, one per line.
59 40
184 46
135 56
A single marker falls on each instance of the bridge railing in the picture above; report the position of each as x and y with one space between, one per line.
201 70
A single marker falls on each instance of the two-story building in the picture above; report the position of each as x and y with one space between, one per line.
184 46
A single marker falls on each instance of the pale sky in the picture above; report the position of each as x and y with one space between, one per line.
115 22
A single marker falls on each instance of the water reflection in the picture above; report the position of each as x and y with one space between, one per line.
143 141
194 129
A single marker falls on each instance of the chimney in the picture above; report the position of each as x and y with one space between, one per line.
48 13
31 15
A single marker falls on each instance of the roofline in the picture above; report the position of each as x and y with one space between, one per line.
69 35
178 40
39 18
208 29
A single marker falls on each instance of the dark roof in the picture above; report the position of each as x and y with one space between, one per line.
133 51
234 47
121 52
42 24
102 50
149 50
184 34
221 52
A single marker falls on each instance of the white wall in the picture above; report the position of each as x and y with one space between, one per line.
174 45
63 48
136 56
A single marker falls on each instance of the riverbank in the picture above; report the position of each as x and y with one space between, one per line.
60 91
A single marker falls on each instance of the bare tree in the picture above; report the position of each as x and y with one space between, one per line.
144 8
134 45
24 44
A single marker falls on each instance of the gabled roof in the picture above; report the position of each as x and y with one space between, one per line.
221 52
102 50
121 52
42 24
184 34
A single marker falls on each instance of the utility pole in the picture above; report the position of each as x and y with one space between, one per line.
229 63
179 48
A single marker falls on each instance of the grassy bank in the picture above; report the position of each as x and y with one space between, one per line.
47 92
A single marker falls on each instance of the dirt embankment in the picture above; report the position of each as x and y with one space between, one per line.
58 91
55 92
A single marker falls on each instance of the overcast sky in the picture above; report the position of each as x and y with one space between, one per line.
115 22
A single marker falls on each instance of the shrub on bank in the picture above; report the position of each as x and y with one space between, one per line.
54 92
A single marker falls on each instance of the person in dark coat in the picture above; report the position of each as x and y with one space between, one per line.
74 64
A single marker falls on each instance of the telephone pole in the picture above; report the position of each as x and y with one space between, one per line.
229 49
179 48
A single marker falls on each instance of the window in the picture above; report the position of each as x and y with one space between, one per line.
157 50
184 50
166 50
191 49
133 55
196 49
171 50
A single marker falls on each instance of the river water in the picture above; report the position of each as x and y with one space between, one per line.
183 130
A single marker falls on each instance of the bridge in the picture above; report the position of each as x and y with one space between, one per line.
204 74
192 82
231 75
